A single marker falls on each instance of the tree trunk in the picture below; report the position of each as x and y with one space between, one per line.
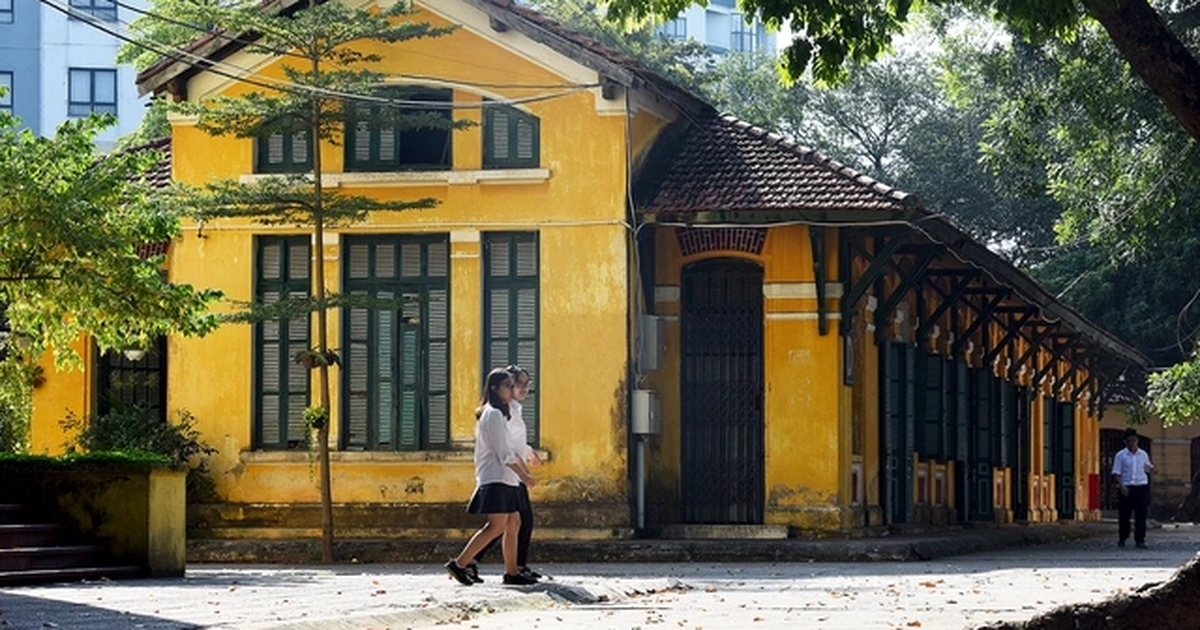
1153 607
1155 54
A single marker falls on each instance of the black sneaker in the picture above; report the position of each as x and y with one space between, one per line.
473 573
1142 545
518 580
458 573
529 573
1120 543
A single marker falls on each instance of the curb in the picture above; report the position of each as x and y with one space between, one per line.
884 549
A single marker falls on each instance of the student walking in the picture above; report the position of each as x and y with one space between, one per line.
1132 470
517 432
499 471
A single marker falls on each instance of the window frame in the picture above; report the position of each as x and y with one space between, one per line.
515 118
152 364
105 10
376 162
423 431
7 101
287 347
743 36
92 104
674 29
262 152
8 15
513 282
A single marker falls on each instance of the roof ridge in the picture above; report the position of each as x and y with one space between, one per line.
815 156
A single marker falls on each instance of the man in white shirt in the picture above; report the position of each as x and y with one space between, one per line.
1131 470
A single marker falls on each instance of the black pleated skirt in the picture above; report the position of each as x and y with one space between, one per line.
494 498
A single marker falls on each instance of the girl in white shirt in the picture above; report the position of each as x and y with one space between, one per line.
499 470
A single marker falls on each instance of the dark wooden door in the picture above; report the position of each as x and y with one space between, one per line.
897 426
722 387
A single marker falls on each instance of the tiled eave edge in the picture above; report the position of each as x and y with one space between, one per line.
423 178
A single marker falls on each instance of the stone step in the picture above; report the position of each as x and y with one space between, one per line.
30 534
56 557
74 574
395 533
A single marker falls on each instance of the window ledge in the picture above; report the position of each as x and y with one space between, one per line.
422 178
357 457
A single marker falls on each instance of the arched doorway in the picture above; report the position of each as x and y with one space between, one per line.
721 326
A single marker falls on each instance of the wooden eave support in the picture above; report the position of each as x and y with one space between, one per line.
1083 386
855 289
958 287
1055 355
908 279
1076 361
1035 346
1010 334
983 317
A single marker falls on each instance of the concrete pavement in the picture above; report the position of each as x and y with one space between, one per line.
950 592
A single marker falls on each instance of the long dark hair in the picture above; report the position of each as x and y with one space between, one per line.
495 379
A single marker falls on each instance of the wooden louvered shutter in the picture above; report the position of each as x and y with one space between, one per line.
510 138
511 310
281 385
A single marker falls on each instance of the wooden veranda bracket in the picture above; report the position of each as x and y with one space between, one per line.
1055 355
982 317
1035 346
856 288
1010 335
959 284
816 236
908 279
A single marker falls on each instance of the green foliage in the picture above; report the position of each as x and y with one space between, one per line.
747 85
154 126
69 264
131 456
137 428
16 400
1174 394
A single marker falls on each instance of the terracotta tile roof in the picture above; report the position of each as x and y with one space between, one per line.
158 177
723 164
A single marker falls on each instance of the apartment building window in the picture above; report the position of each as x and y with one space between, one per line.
418 139
100 9
675 29
510 138
744 37
396 364
281 271
6 85
510 310
6 12
91 91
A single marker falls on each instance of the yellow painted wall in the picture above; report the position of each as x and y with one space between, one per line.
579 213
1170 450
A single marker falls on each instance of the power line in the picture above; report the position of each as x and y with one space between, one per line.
214 66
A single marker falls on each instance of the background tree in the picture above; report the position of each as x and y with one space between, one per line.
70 228
328 77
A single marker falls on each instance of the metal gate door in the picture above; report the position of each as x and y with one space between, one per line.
722 385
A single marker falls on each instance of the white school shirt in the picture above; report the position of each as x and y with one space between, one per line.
1131 467
493 449
516 430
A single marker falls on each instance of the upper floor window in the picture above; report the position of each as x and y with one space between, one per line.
744 37
6 86
674 29
6 12
386 137
91 91
283 151
510 138
102 9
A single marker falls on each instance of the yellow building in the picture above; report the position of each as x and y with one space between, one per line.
1175 451
725 329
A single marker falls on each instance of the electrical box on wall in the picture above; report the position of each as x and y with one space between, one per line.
651 343
644 416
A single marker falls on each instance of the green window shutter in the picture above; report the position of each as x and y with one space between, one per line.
511 308
510 139
397 370
283 152
280 385
381 138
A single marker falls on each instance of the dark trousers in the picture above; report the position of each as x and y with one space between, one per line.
1135 502
525 509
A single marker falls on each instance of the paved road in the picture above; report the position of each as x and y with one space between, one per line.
960 592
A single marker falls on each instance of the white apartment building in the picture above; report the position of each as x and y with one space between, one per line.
59 67
720 25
